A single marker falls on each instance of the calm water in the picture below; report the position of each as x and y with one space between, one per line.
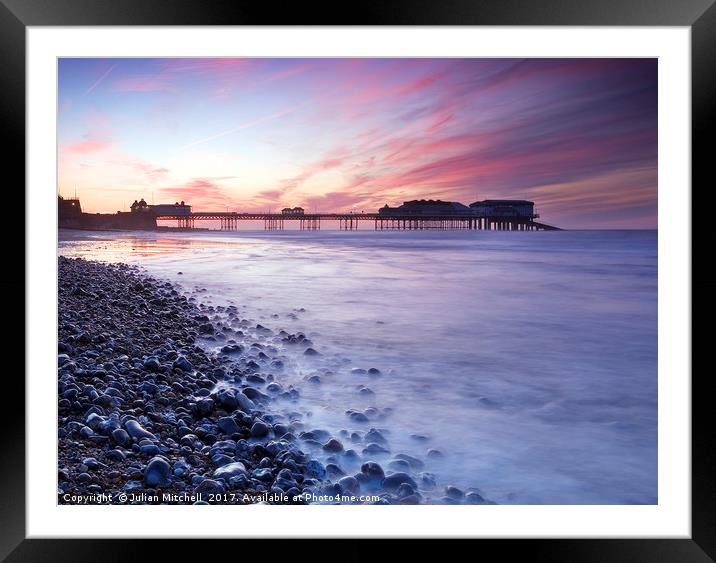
528 359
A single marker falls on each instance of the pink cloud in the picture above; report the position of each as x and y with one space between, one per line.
333 201
88 146
385 130
152 173
204 66
199 192
419 85
439 122
142 84
334 160
65 106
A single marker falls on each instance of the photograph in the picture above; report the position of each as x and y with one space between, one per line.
357 281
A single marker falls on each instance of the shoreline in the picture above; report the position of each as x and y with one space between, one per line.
139 413
146 415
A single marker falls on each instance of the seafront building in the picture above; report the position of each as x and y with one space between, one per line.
504 208
141 217
432 207
293 211
161 209
69 206
488 208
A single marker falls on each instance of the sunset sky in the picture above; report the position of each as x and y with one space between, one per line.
577 136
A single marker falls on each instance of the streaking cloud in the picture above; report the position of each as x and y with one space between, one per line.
578 136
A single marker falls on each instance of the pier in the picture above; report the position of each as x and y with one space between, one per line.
230 221
415 215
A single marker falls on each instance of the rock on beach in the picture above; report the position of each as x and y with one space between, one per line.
159 390
137 406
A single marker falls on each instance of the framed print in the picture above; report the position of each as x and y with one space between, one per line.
424 274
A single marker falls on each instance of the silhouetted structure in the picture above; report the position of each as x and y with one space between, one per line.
175 208
139 206
170 209
293 211
71 216
432 207
504 208
68 207
500 215
69 212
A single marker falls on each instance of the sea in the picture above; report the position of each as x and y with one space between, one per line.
527 361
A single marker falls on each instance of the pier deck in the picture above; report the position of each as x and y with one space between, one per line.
349 221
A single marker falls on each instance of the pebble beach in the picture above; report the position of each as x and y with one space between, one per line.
149 414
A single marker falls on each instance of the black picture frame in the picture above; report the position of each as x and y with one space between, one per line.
17 15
